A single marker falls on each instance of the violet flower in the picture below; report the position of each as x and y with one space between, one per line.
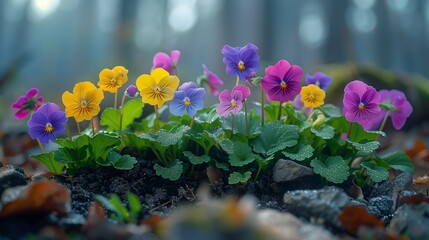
320 79
242 61
131 91
167 62
229 103
189 98
47 121
361 103
212 80
282 81
27 103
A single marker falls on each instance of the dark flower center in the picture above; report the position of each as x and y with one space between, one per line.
283 85
49 128
241 66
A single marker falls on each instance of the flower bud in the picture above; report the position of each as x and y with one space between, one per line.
131 91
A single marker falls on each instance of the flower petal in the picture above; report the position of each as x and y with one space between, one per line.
162 60
223 109
280 69
158 74
32 92
145 81
175 55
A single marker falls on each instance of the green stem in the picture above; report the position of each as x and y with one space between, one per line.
280 111
158 156
40 145
245 116
262 107
68 131
311 115
258 172
122 111
232 124
237 81
78 127
383 124
158 126
192 122
116 100
93 127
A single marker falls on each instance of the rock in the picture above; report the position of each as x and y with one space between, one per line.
287 170
11 176
323 204
411 220
286 225
393 188
380 207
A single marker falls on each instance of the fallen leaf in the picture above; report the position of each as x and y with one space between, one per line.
418 151
353 217
414 199
96 214
152 222
421 185
37 197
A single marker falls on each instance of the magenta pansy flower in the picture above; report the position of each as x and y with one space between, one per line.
131 91
245 91
213 81
189 98
396 105
320 79
229 103
361 103
28 103
282 81
242 61
166 62
46 122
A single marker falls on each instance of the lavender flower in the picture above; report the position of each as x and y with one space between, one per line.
320 79
229 103
189 98
361 102
242 61
47 121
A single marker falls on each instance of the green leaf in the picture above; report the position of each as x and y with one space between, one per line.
399 161
299 153
120 209
110 118
121 162
376 173
240 123
208 117
324 132
330 110
242 155
225 144
223 166
71 155
166 138
274 137
48 160
131 110
237 177
365 146
100 145
172 172
334 169
134 205
357 133
105 202
196 159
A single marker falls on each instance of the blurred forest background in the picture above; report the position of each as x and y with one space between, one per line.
53 44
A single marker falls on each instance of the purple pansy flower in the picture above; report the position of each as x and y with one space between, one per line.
245 91
361 103
131 91
28 103
189 98
213 81
47 121
241 61
229 103
167 62
320 79
397 107
282 81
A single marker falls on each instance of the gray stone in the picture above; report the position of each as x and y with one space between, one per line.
393 188
11 176
380 206
324 205
287 170
411 220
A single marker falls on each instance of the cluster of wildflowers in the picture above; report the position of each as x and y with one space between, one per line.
296 123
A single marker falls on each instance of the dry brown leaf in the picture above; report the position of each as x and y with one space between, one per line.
353 217
421 185
152 222
414 199
96 214
39 197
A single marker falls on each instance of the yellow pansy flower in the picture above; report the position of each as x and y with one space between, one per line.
312 96
158 87
112 79
83 103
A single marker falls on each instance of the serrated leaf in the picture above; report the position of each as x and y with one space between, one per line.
166 138
399 161
376 173
225 144
71 155
222 166
196 159
237 177
48 160
325 132
121 162
334 169
99 147
274 137
207 117
242 155
330 110
299 153
172 172
365 146
131 110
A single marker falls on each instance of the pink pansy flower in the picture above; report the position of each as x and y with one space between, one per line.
229 103
245 91
361 103
27 104
282 81
213 81
166 62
